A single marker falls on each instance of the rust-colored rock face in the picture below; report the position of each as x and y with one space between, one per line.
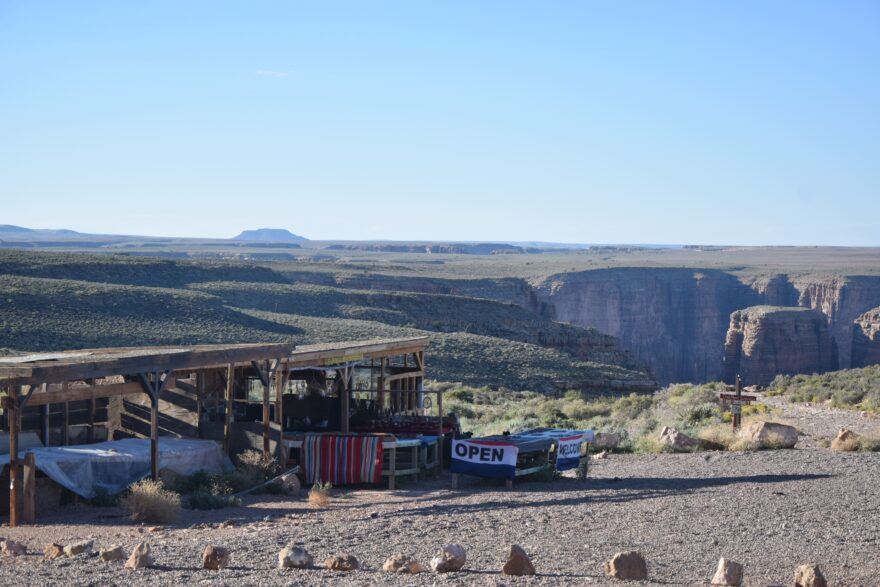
765 341
866 339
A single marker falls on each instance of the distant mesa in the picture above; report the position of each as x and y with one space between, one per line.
269 234
13 230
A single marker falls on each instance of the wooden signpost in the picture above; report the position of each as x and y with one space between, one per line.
737 401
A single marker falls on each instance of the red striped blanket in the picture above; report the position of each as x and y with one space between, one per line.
342 460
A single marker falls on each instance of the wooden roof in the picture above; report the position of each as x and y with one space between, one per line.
340 353
93 363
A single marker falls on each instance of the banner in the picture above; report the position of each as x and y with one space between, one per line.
568 452
484 458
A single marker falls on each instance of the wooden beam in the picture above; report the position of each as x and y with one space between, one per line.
344 396
73 393
380 384
14 421
30 488
138 360
405 375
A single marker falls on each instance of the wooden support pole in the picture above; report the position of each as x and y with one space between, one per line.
230 390
380 384
154 430
344 396
280 381
30 488
266 381
44 418
12 408
65 428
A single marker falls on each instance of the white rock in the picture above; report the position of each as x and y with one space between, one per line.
450 558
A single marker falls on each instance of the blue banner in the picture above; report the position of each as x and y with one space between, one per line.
484 458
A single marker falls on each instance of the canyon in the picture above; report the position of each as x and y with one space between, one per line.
676 320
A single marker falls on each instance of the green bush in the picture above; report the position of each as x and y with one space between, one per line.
204 500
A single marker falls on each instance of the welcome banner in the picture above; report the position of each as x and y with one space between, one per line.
484 458
568 451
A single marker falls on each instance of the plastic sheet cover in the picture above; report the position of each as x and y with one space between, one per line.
114 465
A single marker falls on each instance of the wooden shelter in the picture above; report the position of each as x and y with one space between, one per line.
53 378
231 393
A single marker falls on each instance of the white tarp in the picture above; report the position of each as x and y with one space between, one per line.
116 464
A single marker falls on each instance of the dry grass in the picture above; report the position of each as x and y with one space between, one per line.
856 443
319 494
722 435
149 501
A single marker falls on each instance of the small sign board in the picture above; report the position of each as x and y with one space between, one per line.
738 399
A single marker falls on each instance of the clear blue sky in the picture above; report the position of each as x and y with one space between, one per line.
738 122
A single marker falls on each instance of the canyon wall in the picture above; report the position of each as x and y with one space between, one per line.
765 341
866 339
675 320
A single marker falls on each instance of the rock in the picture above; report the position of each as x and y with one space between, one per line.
80 547
763 341
215 558
227 524
771 434
606 440
294 557
627 565
677 440
600 456
845 440
140 557
13 548
342 562
518 562
113 553
53 551
866 339
450 558
290 483
809 576
402 563
155 529
728 573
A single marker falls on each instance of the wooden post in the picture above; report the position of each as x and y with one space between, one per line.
44 413
455 480
266 427
440 414
200 398
344 397
280 380
380 385
227 427
30 488
154 431
65 427
393 476
12 408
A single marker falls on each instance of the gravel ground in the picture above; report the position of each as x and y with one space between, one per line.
770 510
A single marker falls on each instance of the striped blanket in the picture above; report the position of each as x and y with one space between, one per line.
342 460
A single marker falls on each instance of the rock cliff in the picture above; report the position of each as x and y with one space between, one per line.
866 339
675 320
764 341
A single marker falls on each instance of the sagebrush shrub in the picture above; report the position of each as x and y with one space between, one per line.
149 501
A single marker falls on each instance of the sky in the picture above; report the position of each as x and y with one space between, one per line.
700 122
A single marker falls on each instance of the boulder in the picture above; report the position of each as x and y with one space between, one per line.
600 456
450 558
630 566
771 434
728 573
402 563
113 553
518 562
140 557
294 557
215 558
608 440
342 562
79 547
809 576
677 440
13 548
290 483
845 440
53 551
